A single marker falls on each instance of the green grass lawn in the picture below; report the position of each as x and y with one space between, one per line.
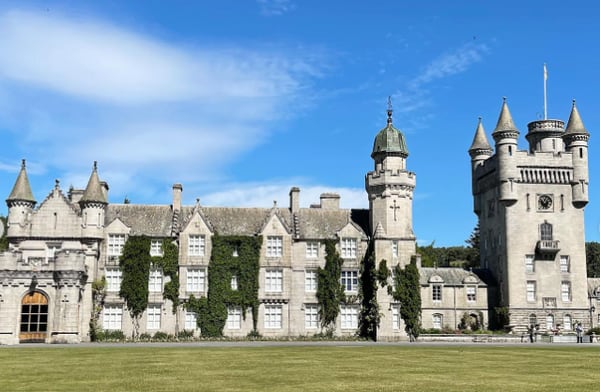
296 368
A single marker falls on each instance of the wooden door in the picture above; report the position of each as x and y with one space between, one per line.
34 318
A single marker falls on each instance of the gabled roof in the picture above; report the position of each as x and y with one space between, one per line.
22 190
149 220
449 276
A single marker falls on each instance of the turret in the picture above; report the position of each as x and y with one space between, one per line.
93 205
479 151
576 141
20 204
505 135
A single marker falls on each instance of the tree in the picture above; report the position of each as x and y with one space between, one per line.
408 293
135 268
474 256
369 312
592 258
3 239
329 289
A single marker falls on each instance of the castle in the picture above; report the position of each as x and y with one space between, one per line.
529 204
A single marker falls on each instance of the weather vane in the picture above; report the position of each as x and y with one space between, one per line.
389 109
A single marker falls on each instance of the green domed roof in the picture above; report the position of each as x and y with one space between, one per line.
390 141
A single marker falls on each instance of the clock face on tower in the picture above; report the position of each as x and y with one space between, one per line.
545 202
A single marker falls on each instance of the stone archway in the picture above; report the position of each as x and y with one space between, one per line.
33 326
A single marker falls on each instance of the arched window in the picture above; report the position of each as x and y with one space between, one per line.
546 231
549 322
567 322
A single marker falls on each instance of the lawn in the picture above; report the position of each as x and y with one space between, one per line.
296 368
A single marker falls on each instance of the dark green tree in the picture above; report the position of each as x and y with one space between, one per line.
473 256
592 258
135 268
408 293
169 263
369 312
330 292
3 239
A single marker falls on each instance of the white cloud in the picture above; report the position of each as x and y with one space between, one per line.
275 7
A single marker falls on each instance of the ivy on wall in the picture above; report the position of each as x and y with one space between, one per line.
408 292
330 292
135 269
169 263
98 296
231 256
369 312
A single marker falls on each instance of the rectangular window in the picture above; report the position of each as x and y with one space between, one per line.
567 322
196 245
234 318
190 321
156 248
529 264
349 317
115 244
195 280
112 317
311 316
395 317
349 248
565 264
471 293
113 279
546 232
274 246
234 285
310 281
272 316
549 322
274 281
153 317
312 250
436 292
530 290
155 281
349 281
395 249
565 291
438 321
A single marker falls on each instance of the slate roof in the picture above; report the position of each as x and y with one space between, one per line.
93 191
450 276
150 220
575 125
22 189
480 141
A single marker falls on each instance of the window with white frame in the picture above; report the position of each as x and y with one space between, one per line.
234 317
567 322
565 291
51 252
234 285
395 317
349 281
195 280
348 248
196 245
310 281
438 320
155 281
112 317
395 249
272 316
565 264
531 290
436 292
471 293
113 278
349 317
190 321
115 244
312 250
549 322
153 317
311 316
529 263
274 246
273 281
156 248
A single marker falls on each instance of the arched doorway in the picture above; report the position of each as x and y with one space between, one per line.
34 318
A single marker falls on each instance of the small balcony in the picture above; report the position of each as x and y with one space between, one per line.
547 247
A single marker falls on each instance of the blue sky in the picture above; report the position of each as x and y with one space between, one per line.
241 100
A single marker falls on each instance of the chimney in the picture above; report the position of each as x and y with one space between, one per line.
294 199
330 201
75 195
104 186
177 189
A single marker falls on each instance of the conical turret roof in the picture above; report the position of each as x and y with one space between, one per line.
390 140
575 125
93 191
22 190
480 141
505 121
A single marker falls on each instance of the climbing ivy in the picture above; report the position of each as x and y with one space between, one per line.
231 256
408 292
330 292
135 269
98 296
369 312
169 263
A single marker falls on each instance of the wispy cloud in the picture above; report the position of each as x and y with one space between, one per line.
81 90
275 7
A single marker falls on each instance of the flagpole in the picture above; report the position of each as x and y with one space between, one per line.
545 100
